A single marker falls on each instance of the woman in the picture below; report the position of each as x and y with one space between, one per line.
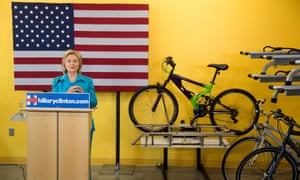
72 81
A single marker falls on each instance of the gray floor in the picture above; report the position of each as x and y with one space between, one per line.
108 172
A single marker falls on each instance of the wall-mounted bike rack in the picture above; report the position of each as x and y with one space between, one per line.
279 58
274 59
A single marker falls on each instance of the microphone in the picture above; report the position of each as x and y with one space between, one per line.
57 82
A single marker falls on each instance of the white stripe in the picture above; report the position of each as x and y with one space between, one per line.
109 54
110 27
120 82
37 67
85 68
33 81
97 82
46 54
114 68
112 41
85 54
111 14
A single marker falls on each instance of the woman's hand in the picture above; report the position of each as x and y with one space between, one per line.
75 89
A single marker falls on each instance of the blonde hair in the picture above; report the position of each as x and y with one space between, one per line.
66 54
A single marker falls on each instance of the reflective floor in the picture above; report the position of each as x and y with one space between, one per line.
124 172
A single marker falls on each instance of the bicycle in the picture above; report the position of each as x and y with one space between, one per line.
266 134
154 108
274 162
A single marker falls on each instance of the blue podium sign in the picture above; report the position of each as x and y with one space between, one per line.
57 100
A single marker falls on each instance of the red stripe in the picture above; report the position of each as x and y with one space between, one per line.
89 61
118 75
94 75
117 88
80 20
114 61
40 60
111 34
111 6
128 48
47 88
22 74
44 88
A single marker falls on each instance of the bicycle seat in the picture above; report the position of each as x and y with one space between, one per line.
219 66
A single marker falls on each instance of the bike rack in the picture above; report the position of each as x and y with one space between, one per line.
278 58
275 58
185 136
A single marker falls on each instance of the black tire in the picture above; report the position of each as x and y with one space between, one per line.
255 164
235 109
237 151
141 109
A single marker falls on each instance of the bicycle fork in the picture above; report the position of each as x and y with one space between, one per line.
161 97
273 165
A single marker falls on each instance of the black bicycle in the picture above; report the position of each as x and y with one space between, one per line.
271 163
154 108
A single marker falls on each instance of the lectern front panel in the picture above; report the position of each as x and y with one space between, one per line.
74 148
42 146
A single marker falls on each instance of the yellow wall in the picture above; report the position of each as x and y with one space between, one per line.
195 33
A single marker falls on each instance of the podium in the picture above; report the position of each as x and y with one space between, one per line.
58 143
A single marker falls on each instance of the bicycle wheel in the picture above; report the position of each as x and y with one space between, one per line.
238 150
152 108
236 109
254 165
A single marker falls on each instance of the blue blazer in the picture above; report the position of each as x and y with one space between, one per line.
62 84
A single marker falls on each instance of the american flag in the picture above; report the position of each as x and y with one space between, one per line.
112 38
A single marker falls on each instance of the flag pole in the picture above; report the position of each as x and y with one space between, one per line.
117 167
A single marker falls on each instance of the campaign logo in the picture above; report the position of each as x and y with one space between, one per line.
57 100
31 100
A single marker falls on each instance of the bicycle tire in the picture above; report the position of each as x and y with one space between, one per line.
235 105
238 150
141 105
254 165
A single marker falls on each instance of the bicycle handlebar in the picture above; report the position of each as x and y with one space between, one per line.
279 115
169 61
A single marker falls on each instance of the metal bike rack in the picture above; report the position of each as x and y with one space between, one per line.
185 136
275 59
278 58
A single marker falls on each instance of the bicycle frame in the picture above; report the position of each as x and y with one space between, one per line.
191 96
269 131
266 130
287 141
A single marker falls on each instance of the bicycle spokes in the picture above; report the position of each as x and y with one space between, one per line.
223 109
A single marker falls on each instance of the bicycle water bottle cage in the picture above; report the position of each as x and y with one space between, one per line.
219 66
